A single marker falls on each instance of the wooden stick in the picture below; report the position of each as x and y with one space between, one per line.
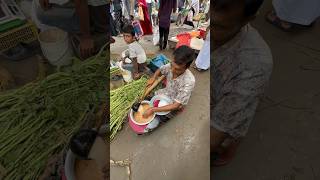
155 84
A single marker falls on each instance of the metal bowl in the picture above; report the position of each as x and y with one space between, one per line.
164 100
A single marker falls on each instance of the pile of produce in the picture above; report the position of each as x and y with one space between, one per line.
121 100
38 119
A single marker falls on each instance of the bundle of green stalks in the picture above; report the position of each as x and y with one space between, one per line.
38 119
115 71
121 101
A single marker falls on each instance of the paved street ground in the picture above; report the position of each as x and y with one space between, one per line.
283 142
178 150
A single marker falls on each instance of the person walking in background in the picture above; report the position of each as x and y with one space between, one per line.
145 23
126 9
194 8
154 14
149 5
117 10
203 60
288 14
181 4
164 14
109 22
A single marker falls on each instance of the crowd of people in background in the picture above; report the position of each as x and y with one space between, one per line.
151 13
132 19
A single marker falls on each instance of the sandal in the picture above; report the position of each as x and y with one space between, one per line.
277 22
213 157
198 69
222 159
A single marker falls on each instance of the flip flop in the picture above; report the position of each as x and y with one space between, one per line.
225 157
277 22
220 161
198 69
213 157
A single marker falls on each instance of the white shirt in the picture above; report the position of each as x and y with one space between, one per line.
241 70
136 51
149 1
196 6
178 89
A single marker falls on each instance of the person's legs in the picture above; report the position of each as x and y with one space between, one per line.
222 147
216 139
142 68
127 6
128 67
161 31
117 16
164 119
152 125
187 22
109 22
150 11
166 35
99 20
226 151
272 18
132 6
112 26
61 17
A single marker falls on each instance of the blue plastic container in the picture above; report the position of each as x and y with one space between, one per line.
157 62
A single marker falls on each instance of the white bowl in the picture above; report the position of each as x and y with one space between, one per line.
164 100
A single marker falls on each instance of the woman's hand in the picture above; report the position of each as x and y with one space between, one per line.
148 113
86 47
150 81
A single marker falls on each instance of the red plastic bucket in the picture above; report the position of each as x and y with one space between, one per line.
139 129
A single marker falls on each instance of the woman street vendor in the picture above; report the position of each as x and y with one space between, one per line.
180 83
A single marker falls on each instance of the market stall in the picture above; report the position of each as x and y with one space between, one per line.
189 37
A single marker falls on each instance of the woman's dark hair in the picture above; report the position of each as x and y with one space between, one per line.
82 141
128 29
251 7
183 55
